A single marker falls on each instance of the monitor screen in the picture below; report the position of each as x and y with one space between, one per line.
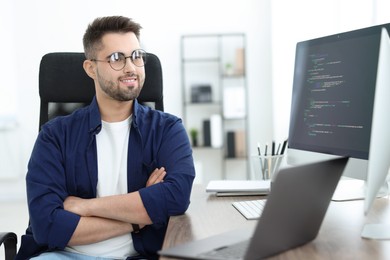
333 93
340 106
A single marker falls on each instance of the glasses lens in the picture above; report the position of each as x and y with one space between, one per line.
138 57
117 60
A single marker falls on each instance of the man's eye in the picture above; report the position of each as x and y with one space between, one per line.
137 55
116 57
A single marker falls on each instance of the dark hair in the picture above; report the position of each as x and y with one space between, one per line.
92 39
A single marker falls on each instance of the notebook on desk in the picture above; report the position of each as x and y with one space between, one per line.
292 217
238 187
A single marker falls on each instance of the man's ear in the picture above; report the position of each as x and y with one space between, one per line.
89 68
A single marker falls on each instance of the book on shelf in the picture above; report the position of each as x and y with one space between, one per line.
216 131
240 61
236 145
240 143
212 131
206 133
230 143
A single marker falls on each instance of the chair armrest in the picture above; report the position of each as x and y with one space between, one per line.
10 240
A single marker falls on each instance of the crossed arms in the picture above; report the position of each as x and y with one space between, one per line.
111 216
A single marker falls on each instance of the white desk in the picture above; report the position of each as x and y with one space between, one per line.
339 236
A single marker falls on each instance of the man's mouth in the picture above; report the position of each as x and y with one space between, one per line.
129 80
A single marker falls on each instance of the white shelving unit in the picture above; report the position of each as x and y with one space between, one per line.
215 103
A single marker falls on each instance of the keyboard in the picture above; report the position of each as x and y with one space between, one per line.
250 209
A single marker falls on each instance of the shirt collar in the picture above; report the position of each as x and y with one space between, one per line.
95 121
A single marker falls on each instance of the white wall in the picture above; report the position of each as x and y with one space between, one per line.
29 29
33 28
299 20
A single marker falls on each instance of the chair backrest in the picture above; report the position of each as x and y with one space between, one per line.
64 85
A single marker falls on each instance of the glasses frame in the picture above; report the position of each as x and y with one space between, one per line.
131 57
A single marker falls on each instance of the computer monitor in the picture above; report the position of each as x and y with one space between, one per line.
379 153
333 93
338 108
333 97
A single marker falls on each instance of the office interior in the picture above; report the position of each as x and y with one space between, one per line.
31 29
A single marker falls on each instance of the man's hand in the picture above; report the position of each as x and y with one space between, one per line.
157 176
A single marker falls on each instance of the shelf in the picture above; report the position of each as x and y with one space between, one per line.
194 60
233 76
203 103
236 158
213 68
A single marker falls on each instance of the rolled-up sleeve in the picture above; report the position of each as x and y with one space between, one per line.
171 197
46 190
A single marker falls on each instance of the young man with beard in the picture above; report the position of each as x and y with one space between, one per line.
103 181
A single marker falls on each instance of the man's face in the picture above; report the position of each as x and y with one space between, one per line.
124 84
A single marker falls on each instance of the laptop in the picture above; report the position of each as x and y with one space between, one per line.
292 217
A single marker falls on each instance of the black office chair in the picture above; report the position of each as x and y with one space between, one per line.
9 239
64 86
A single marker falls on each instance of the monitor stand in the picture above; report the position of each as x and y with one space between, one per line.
376 231
350 189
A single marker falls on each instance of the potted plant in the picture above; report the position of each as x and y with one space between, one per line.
229 69
194 136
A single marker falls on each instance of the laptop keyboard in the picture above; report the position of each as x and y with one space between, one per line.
234 251
250 209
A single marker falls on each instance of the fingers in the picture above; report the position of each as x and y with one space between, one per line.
157 176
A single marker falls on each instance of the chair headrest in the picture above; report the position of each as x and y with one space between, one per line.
65 71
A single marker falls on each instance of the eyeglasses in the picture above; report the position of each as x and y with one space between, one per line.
117 60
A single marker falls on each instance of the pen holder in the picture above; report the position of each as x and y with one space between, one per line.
266 166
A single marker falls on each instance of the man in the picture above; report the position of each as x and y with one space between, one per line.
102 182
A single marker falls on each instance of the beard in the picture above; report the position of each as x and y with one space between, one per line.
116 92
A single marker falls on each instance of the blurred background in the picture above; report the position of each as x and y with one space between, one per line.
30 29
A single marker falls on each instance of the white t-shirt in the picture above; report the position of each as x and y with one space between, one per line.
112 146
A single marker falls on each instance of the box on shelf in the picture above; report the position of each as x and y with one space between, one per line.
201 93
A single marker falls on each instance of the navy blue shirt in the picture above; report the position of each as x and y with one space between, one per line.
64 163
